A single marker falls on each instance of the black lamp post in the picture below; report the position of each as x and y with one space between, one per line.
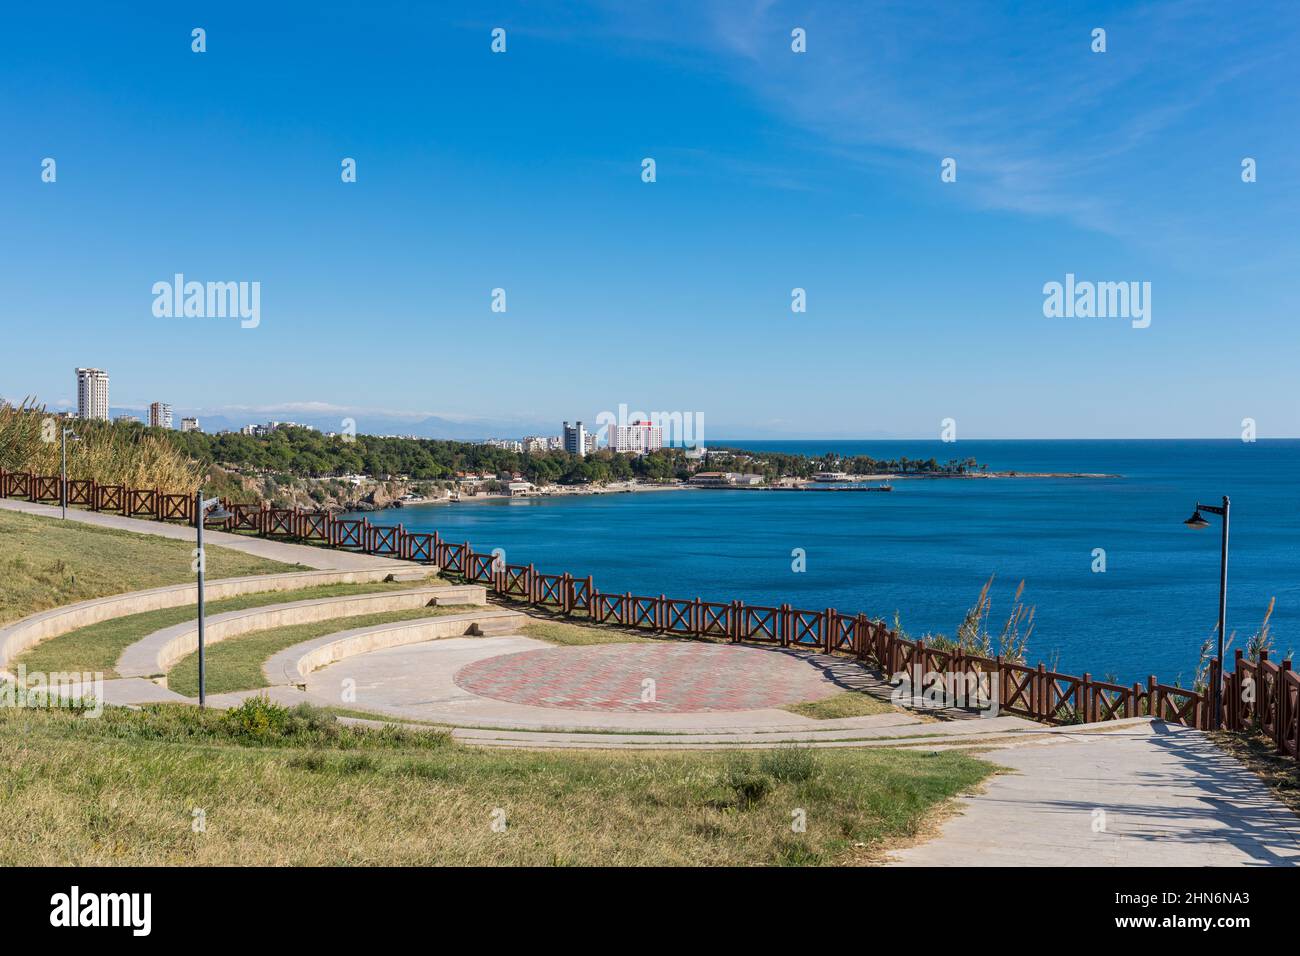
1196 521
203 510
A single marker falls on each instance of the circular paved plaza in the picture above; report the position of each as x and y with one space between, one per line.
651 678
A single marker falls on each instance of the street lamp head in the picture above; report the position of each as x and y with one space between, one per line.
70 435
1196 521
218 513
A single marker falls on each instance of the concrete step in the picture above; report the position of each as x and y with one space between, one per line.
496 626
293 664
155 653
414 574
453 594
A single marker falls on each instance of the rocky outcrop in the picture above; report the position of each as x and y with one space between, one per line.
328 494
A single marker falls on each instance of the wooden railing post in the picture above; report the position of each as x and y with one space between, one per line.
1153 698
1284 717
919 670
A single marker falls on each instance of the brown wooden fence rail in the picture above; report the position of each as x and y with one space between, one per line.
1262 696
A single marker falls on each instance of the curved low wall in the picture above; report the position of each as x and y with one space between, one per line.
156 653
35 628
293 664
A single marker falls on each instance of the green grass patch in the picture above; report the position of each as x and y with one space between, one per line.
236 664
288 788
97 647
849 703
579 635
48 562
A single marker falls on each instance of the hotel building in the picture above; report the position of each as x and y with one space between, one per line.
639 438
92 393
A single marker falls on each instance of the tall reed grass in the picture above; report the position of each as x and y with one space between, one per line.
109 452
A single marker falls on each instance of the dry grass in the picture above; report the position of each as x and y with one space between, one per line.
47 562
579 635
122 790
849 703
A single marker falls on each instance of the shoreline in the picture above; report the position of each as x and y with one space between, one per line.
623 488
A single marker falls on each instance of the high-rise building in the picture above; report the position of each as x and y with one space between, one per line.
160 415
575 439
92 393
638 438
189 424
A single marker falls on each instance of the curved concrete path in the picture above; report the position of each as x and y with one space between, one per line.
292 665
156 653
27 632
307 555
1144 794
417 682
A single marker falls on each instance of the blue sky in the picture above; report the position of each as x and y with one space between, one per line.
775 170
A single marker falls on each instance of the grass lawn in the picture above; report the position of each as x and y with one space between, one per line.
96 648
849 703
47 562
124 788
579 635
236 664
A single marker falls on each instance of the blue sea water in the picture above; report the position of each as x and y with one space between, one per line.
925 549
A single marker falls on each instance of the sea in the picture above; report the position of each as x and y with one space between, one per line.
1121 587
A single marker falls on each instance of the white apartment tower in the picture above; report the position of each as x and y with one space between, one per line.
639 438
92 393
575 439
160 415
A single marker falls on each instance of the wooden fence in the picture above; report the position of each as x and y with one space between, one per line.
1263 695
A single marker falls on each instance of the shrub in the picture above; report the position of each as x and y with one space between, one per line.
749 784
791 764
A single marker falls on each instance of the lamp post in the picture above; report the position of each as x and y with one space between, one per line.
202 508
1196 521
63 471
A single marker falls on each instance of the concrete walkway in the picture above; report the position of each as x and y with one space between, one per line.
1149 794
419 682
156 653
303 554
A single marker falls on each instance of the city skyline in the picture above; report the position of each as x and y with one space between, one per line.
478 171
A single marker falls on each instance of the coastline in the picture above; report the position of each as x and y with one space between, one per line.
629 487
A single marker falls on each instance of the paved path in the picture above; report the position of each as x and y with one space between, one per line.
419 682
666 678
304 554
1152 794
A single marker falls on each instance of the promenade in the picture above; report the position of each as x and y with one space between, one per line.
1131 792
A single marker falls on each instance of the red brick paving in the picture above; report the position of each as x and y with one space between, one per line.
687 678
